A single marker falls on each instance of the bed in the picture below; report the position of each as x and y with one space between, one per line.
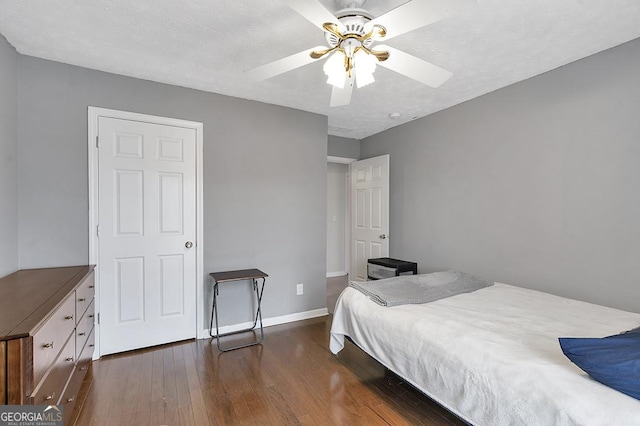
492 356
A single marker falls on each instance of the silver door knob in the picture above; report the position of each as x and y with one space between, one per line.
383 236
188 244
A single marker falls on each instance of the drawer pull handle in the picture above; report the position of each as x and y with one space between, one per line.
69 317
70 399
91 345
82 299
83 368
49 397
69 359
82 334
90 286
48 345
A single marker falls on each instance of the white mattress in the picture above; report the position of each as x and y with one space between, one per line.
492 356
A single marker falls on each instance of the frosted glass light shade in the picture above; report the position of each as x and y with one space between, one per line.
364 67
334 69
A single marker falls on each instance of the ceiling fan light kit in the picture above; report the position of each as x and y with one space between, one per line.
350 51
351 35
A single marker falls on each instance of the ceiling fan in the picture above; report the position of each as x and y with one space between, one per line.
353 53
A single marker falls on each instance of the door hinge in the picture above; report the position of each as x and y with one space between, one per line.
98 318
98 230
97 142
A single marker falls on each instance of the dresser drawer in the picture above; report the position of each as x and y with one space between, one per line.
86 356
68 400
50 389
84 295
50 338
70 395
71 391
84 327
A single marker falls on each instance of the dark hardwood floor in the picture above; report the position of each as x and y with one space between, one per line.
292 378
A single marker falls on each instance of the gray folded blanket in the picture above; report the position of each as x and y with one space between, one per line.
416 289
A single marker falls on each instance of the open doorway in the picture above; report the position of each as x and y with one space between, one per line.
338 227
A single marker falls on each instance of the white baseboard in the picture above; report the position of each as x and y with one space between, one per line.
336 274
268 322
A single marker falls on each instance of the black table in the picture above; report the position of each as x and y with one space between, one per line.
230 276
386 267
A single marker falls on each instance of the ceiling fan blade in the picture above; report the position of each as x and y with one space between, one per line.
415 68
418 13
314 11
342 97
283 65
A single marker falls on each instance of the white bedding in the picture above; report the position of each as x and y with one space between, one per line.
492 356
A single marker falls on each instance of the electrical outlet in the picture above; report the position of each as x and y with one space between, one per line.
300 289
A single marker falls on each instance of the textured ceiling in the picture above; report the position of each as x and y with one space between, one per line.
208 44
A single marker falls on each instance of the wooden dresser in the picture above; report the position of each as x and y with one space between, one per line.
46 335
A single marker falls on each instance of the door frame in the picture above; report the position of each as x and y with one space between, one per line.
94 113
347 213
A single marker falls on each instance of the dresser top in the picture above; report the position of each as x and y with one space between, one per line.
28 296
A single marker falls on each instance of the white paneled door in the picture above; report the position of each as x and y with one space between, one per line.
147 231
369 213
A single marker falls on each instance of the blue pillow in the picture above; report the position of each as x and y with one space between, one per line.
613 361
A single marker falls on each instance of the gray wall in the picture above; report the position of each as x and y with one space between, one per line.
536 185
265 172
343 147
8 159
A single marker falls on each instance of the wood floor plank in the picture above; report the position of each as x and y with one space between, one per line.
169 383
281 407
112 392
131 391
291 378
156 403
183 401
145 383
198 407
